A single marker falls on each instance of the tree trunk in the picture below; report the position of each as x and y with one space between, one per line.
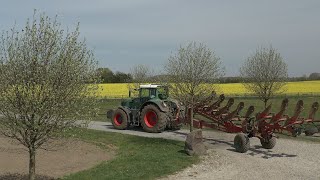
265 103
191 119
32 164
191 113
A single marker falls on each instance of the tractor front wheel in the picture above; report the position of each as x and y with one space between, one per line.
120 119
152 119
241 143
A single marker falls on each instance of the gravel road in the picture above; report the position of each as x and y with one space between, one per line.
289 159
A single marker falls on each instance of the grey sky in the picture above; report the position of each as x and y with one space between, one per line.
127 32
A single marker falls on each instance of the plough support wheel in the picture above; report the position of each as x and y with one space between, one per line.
311 131
268 143
241 143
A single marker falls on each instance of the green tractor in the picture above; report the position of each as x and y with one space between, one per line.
152 109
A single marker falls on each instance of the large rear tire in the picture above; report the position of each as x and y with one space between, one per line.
120 119
268 144
241 143
152 119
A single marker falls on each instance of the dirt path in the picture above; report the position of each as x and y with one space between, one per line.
63 157
289 159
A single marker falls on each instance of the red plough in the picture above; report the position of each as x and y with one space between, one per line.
262 125
220 118
293 125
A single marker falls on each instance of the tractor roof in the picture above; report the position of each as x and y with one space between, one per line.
150 86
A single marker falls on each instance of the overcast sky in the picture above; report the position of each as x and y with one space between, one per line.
123 33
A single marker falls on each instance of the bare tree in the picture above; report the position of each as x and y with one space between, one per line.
190 73
264 73
314 76
140 74
44 73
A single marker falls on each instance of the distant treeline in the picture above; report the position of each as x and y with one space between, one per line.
311 77
107 76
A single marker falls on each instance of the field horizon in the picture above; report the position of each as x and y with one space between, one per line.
303 88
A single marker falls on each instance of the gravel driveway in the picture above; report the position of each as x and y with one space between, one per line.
289 159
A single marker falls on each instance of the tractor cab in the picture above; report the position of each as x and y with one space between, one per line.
146 93
153 91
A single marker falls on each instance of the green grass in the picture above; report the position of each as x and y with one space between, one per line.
137 157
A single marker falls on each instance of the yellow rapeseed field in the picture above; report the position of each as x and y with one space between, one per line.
120 90
114 90
302 87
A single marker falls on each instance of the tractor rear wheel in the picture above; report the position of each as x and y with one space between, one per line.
268 143
241 143
309 131
152 119
120 119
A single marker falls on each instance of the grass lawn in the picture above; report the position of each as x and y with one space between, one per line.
137 157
